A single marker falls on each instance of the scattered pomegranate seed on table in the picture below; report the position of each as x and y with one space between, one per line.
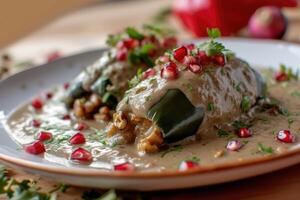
124 167
48 95
244 132
234 145
35 148
44 135
286 136
37 103
180 53
170 71
187 164
149 73
80 154
78 138
80 126
36 123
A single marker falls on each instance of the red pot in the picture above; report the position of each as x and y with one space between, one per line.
228 15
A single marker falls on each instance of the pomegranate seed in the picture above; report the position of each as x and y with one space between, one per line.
187 164
244 132
80 154
180 53
195 68
286 136
121 55
80 126
66 117
127 43
169 42
204 59
170 71
78 138
219 60
43 136
66 86
281 76
37 103
234 145
36 123
124 167
190 46
53 56
164 59
149 73
49 95
187 60
35 148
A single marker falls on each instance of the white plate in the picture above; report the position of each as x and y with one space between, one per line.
24 85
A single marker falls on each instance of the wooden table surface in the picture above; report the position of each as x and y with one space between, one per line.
87 28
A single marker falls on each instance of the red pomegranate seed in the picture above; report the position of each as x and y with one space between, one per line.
36 123
37 103
164 59
187 60
149 73
80 126
66 117
35 148
169 42
190 46
187 164
122 55
48 95
128 43
170 71
286 136
244 132
66 86
78 138
234 145
80 154
219 60
197 69
204 59
180 53
281 76
43 136
124 167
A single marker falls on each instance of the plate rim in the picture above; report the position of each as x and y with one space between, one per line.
77 171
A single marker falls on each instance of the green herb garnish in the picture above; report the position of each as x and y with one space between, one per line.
295 94
245 104
193 159
222 133
264 149
134 34
210 106
237 87
176 148
239 124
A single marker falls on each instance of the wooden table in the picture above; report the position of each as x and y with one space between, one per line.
87 28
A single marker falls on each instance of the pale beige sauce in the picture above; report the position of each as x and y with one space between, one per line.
205 149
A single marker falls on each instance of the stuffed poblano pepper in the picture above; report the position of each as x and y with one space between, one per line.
189 95
100 86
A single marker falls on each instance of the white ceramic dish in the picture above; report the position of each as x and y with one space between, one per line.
22 86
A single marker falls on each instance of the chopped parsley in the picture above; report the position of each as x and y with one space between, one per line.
222 133
290 122
136 79
237 87
210 106
193 159
295 94
239 124
245 104
175 148
264 149
134 34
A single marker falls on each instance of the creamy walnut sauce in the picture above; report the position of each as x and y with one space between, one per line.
210 150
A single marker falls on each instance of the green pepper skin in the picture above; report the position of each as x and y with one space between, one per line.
99 87
175 115
75 91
